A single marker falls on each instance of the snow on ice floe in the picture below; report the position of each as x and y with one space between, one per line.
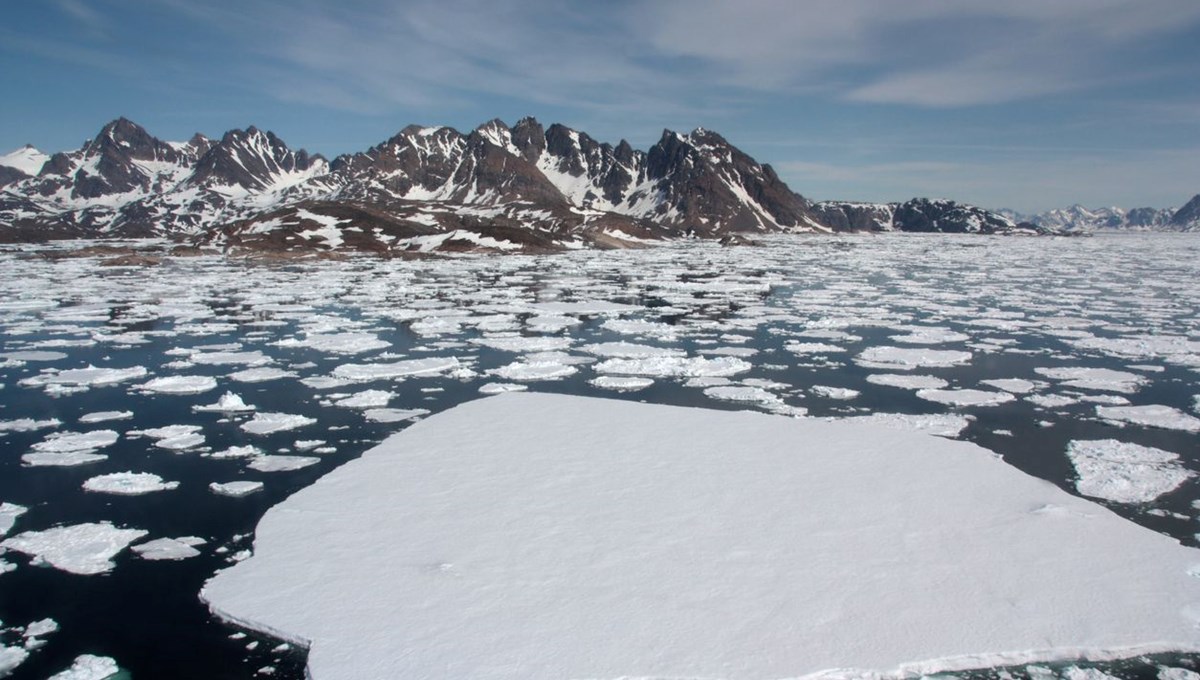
1013 385
1124 472
235 489
230 358
128 483
267 423
79 549
281 463
179 384
261 374
531 369
930 335
630 350
907 359
812 348
966 397
398 369
939 424
76 379
89 667
172 437
169 548
367 399
248 451
500 388
338 343
9 512
393 415
675 367
504 516
66 449
104 416
11 658
228 403
1151 415
27 425
524 344
830 392
908 382
1103 379
621 383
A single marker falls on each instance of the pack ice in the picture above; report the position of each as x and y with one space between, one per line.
607 539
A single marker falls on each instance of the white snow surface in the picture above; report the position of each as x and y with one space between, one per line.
908 382
228 403
169 548
78 549
128 483
279 463
759 547
966 397
9 512
235 489
89 667
266 423
1150 415
675 366
179 384
1125 472
905 359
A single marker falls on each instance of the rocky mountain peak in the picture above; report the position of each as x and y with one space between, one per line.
1188 217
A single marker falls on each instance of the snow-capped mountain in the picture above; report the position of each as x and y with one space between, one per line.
1080 219
20 164
919 215
422 182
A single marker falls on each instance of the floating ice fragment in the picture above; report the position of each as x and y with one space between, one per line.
966 397
84 377
675 367
179 384
367 399
9 512
248 451
525 344
908 382
399 369
393 415
262 374
10 659
1124 472
528 370
235 489
169 548
78 549
629 350
1013 385
266 423
228 403
278 463
1151 415
906 359
89 667
1104 379
621 384
128 483
812 348
105 416
843 393
27 425
940 425
498 388
742 393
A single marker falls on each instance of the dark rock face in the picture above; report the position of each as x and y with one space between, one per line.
1188 217
249 159
10 176
941 216
850 217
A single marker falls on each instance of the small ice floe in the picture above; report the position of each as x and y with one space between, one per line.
1124 472
393 415
266 423
230 358
630 350
398 369
1051 400
105 416
930 335
33 355
966 397
551 324
743 393
248 451
325 382
306 444
812 348
530 370
70 448
518 343
78 379
235 489
338 343
179 384
1013 385
907 359
840 393
169 548
172 437
128 483
675 367
499 388
367 399
1171 673
280 463
89 667
1151 415
1102 379
37 630
27 425
78 549
228 403
9 512
621 383
907 382
261 374
11 658
940 424
638 327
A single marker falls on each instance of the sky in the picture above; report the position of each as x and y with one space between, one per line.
1021 104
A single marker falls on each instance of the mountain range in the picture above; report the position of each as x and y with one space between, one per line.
524 187
1080 219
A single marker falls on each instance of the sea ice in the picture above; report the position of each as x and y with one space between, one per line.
1014 385
84 377
338 343
66 459
393 415
812 348
530 370
27 425
179 384
89 667
10 659
367 399
1104 379
675 367
621 384
1124 472
908 382
1151 415
266 423
966 397
498 388
630 350
742 393
228 403
128 483
105 416
9 512
843 393
939 424
261 374
613 539
525 344
67 442
278 463
235 489
906 359
78 549
169 548
930 336
398 369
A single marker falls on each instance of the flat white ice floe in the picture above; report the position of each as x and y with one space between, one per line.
261 374
338 343
908 382
906 359
621 383
128 483
1103 379
89 667
367 399
279 463
606 539
84 377
830 392
1125 472
169 548
105 416
393 415
936 424
78 549
228 403
1014 385
531 370
1150 415
179 384
9 512
675 367
266 423
27 425
630 350
966 397
398 369
235 489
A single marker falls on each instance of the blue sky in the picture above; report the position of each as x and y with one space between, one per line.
1028 104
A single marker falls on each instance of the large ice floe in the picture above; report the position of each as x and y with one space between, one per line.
607 539
79 549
